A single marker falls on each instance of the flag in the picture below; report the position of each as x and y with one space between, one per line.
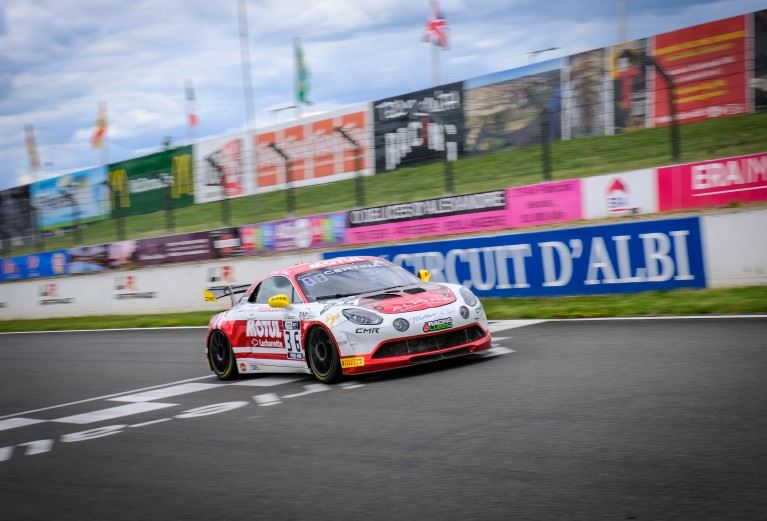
34 158
436 27
101 127
302 75
190 99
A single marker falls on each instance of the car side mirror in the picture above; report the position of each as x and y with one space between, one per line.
278 301
424 275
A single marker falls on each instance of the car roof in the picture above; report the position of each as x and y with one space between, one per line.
308 266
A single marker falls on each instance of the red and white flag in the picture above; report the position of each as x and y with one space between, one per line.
436 27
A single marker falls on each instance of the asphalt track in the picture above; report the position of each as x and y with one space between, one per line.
593 420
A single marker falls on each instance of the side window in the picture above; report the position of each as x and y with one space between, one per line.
271 287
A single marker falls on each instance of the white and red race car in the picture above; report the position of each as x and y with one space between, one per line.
343 316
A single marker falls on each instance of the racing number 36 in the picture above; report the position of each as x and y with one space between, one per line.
293 339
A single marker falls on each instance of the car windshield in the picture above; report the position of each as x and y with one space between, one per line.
354 278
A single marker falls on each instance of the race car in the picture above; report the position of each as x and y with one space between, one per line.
342 316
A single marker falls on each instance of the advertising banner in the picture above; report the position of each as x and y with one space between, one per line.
47 264
585 113
617 258
545 203
294 234
627 193
219 169
88 259
226 242
152 183
759 81
708 65
317 152
428 218
16 213
505 109
418 127
175 248
629 84
80 196
711 183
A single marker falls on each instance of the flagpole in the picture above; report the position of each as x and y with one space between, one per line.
434 65
296 73
247 89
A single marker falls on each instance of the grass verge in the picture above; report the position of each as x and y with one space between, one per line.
724 301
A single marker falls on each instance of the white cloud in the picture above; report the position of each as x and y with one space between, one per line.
59 58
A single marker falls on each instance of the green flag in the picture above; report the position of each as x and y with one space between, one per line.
302 75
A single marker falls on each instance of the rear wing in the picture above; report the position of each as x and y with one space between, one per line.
217 292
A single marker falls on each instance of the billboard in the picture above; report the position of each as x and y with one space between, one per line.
152 183
316 151
220 169
585 113
418 126
80 196
17 218
428 218
629 85
505 109
182 247
47 264
544 203
708 65
740 179
626 193
759 81
617 258
294 234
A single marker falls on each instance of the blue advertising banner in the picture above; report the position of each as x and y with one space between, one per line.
616 258
47 264
82 196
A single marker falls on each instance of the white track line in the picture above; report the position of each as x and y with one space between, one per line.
107 396
675 317
170 328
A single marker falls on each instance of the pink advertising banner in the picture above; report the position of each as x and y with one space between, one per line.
544 203
740 179
464 223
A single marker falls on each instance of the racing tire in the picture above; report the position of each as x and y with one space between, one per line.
221 357
324 361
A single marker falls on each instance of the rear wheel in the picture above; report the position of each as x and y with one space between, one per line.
323 356
221 356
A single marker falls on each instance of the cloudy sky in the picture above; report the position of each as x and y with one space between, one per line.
59 58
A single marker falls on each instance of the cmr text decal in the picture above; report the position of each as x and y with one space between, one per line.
618 258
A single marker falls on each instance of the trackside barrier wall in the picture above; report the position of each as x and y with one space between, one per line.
689 252
168 289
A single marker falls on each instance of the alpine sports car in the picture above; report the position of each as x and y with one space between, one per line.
342 316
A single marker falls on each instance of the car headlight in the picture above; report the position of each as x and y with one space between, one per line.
401 325
362 317
468 297
464 312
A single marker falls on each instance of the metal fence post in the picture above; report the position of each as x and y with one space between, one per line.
359 182
290 202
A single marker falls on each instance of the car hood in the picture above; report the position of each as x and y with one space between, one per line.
402 300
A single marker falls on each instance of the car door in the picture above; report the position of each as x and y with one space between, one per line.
272 335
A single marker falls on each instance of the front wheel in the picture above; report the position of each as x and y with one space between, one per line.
323 356
221 356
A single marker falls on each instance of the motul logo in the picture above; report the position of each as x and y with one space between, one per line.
264 328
